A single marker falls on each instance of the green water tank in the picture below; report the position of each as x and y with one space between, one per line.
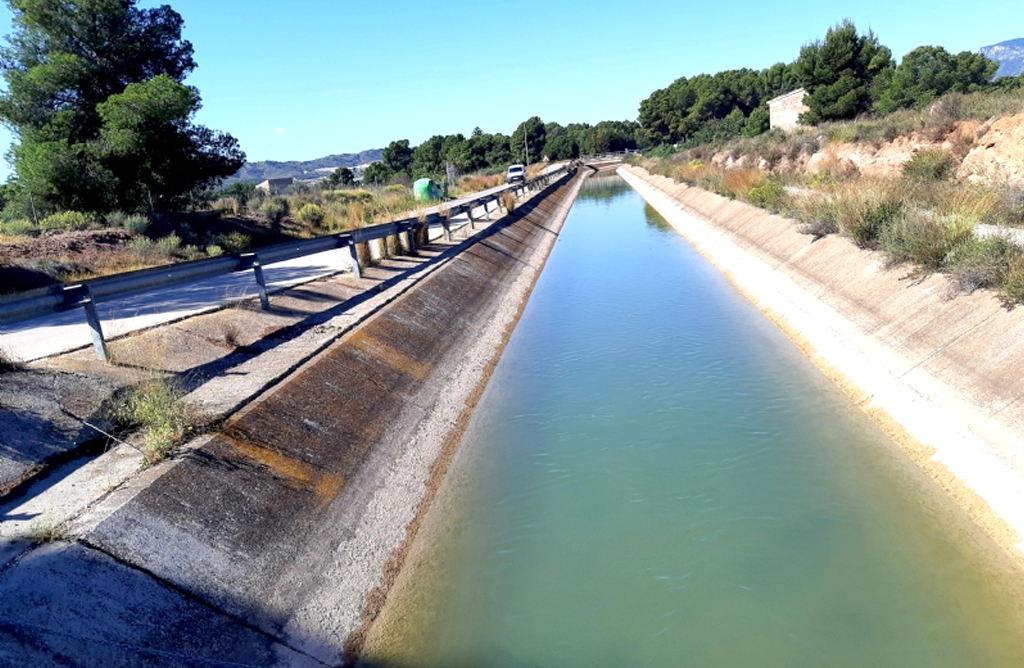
425 190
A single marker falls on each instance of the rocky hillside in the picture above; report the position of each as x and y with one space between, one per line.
990 151
1009 55
308 169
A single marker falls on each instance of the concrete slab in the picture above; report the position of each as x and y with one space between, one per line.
68 605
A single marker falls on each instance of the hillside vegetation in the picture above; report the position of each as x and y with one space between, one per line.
136 184
940 189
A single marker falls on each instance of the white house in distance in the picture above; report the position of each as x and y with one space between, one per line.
786 109
275 186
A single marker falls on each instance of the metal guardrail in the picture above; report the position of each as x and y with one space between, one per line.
610 156
84 295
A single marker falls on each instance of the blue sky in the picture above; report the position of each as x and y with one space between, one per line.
301 79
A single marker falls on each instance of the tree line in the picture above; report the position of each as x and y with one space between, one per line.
103 121
846 74
482 151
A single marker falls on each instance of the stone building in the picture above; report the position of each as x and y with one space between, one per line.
785 109
275 186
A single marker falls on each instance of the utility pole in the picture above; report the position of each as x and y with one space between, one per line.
526 144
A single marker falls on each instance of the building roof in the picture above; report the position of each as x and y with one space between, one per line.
792 93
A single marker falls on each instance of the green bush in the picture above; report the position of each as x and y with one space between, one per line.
213 250
395 188
1013 287
17 228
276 209
233 242
67 220
311 214
976 264
169 245
156 408
922 240
134 223
936 164
866 228
142 245
769 195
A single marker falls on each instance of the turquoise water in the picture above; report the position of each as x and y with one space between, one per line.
658 477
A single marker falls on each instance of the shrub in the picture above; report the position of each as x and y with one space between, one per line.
276 209
156 408
311 214
932 165
395 188
922 240
134 223
860 209
866 226
769 195
348 196
1013 288
508 200
17 228
67 220
213 250
234 241
47 530
142 245
168 245
976 264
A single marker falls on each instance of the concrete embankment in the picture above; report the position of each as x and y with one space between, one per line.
273 541
944 376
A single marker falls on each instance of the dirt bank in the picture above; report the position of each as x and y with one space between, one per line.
943 376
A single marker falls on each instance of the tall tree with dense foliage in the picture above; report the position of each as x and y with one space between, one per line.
928 72
342 176
398 158
678 113
535 137
100 116
843 73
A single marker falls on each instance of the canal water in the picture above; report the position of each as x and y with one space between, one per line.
656 476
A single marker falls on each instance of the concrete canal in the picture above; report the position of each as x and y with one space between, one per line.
657 476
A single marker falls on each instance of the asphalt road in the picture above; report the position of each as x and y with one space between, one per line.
57 333
62 332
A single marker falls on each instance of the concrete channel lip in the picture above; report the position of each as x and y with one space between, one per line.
249 546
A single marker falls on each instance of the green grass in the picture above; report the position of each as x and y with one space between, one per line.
154 408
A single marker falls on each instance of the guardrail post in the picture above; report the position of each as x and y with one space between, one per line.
469 214
354 252
446 225
253 260
487 212
79 295
411 234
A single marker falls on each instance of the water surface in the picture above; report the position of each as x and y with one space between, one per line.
656 476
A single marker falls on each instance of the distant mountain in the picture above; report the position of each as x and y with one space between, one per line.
1009 55
308 169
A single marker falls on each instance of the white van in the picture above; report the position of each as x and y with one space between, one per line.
516 173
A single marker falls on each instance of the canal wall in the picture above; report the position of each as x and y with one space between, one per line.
943 376
274 539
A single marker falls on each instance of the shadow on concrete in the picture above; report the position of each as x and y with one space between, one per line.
212 563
